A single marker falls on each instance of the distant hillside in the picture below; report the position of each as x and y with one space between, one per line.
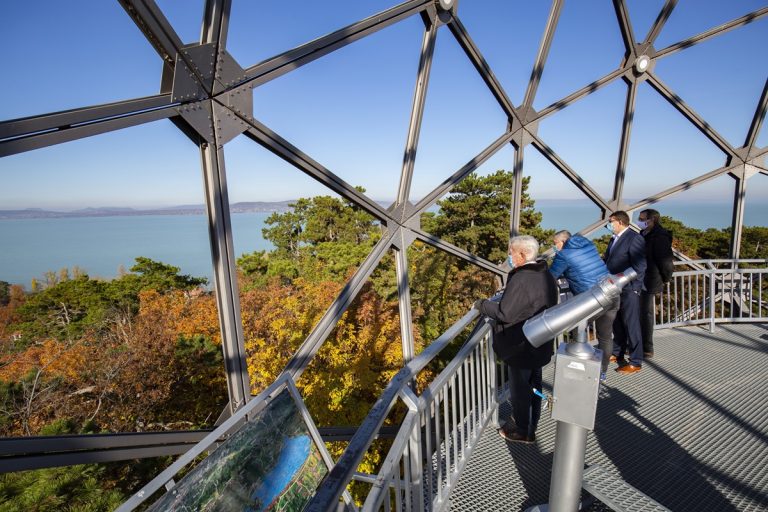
111 211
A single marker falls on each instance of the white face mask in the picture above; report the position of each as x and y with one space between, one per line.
510 261
642 224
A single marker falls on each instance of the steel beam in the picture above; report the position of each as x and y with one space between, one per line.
404 304
216 22
154 25
481 66
541 56
625 25
581 93
661 19
720 29
737 221
417 113
224 275
67 133
757 119
306 53
626 131
517 193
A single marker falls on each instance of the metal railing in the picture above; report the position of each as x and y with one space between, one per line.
440 431
723 291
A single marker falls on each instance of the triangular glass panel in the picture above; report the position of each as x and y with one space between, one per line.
707 205
264 194
509 52
116 282
349 110
443 288
104 182
561 204
727 103
580 55
61 62
587 135
689 19
357 360
665 148
474 215
186 18
458 99
762 138
642 14
258 31
756 206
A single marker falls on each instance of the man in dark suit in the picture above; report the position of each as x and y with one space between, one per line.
626 249
659 258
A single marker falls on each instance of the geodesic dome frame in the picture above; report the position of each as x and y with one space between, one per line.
207 94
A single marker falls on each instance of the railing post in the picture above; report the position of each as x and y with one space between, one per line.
712 300
414 451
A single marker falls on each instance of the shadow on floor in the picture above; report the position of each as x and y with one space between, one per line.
638 449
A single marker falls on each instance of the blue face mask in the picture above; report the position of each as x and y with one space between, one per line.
609 227
642 224
510 262
555 249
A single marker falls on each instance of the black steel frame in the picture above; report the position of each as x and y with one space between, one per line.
205 103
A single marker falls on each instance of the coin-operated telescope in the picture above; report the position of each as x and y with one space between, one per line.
568 314
576 384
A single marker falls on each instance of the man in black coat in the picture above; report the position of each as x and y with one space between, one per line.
658 256
530 289
626 249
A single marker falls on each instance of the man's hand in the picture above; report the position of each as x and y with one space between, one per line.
478 304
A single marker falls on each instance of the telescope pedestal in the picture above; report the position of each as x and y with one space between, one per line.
574 398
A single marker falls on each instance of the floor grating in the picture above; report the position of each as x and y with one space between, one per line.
690 431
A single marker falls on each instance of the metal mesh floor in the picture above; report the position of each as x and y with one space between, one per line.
690 431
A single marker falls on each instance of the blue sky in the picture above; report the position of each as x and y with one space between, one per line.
350 109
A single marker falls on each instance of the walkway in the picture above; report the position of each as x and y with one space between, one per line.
690 431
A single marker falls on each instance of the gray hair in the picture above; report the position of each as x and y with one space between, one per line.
527 245
562 236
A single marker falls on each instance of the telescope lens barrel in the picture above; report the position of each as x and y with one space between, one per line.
565 316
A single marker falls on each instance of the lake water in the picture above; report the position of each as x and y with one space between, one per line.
101 245
294 454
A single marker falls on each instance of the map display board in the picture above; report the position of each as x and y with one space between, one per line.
273 463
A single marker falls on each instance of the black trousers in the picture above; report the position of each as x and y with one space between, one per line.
627 334
604 331
647 319
526 407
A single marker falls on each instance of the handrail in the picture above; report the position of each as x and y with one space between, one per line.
452 414
336 481
714 295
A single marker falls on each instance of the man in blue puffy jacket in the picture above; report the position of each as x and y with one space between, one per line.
578 261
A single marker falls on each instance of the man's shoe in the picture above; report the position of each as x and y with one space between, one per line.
516 436
620 360
648 355
628 368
